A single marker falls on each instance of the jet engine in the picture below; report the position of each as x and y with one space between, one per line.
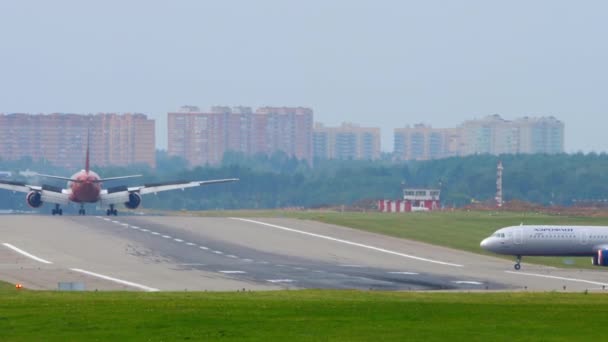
601 258
134 201
34 199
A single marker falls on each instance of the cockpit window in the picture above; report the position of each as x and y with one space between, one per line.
498 235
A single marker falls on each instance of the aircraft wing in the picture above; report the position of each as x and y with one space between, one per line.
16 186
158 187
80 181
50 194
120 194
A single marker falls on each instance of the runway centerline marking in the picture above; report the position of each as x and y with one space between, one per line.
280 280
218 252
406 273
22 252
233 272
178 240
468 282
203 247
166 236
154 233
190 244
556 277
349 242
116 280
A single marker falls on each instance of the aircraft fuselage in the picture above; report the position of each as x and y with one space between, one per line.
547 240
86 188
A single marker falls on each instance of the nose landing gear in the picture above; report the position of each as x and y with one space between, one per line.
81 211
517 265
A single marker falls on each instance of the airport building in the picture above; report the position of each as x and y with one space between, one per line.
202 137
413 200
61 139
348 141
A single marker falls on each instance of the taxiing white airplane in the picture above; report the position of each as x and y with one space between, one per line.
567 241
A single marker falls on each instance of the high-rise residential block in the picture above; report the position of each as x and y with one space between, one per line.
495 135
61 139
422 142
348 141
540 135
489 135
203 137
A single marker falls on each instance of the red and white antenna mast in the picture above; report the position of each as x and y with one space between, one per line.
499 168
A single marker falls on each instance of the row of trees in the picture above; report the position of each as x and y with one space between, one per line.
280 181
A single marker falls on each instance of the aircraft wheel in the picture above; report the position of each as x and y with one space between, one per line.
115 212
517 266
60 212
108 212
53 212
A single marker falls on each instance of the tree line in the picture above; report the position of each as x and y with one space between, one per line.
279 181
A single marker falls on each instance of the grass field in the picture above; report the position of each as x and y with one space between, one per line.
300 316
459 229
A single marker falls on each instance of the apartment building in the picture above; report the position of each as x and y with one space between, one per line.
489 135
495 135
423 142
203 137
61 139
348 141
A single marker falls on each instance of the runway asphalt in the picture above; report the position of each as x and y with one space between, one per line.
163 253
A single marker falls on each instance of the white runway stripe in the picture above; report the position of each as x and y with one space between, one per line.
468 282
280 280
22 252
116 280
556 277
349 243
233 272
406 273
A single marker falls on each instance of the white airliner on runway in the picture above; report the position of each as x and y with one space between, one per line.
568 241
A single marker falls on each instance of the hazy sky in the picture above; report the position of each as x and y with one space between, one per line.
379 63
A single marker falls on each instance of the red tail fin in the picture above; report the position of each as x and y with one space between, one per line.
87 164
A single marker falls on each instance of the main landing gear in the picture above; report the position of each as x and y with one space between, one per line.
57 210
81 211
111 211
517 265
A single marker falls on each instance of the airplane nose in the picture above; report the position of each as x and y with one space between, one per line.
485 243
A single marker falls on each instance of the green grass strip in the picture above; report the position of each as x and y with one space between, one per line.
301 316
